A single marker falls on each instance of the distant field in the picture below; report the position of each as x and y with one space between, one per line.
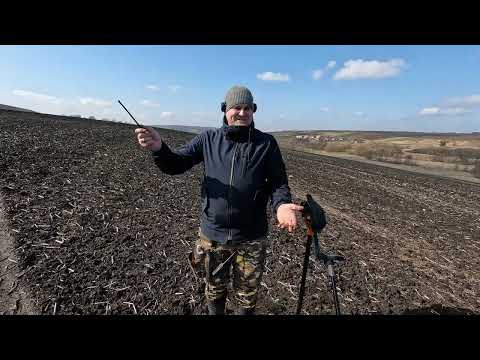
450 154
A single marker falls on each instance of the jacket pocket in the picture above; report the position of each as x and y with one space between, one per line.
205 201
260 215
261 198
260 201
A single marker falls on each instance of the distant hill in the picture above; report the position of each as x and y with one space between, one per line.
367 133
13 108
189 129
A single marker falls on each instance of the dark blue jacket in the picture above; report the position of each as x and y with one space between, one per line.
241 173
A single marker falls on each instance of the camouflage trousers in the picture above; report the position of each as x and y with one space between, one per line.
246 266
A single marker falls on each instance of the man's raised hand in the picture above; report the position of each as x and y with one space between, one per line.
148 138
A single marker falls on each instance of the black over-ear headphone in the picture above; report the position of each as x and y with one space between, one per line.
223 107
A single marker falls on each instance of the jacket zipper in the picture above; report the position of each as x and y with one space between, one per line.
230 193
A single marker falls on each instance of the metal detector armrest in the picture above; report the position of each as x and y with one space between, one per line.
317 216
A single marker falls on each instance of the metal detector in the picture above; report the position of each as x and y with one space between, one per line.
315 220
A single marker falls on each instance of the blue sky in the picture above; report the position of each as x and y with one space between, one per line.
382 87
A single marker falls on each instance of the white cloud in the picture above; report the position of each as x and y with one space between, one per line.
331 64
174 88
455 111
270 76
153 87
317 74
472 100
325 109
359 113
444 111
166 114
373 69
430 111
94 102
149 103
37 97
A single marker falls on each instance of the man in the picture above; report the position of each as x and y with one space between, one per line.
243 168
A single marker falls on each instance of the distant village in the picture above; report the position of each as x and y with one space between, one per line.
323 138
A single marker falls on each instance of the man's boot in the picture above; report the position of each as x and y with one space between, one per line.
245 311
217 306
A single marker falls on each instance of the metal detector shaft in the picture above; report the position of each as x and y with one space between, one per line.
316 248
304 274
334 288
136 122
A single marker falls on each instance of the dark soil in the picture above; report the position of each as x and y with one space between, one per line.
98 229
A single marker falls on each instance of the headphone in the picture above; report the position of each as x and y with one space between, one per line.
223 107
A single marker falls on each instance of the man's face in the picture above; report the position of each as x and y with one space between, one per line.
240 115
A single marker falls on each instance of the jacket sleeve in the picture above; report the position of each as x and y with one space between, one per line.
280 191
181 159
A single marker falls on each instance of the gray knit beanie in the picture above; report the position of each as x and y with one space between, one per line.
238 95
